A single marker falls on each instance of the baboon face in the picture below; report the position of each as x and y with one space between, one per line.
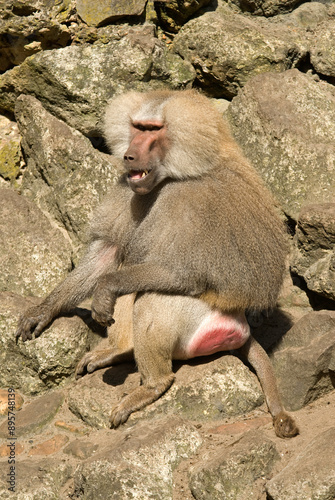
144 158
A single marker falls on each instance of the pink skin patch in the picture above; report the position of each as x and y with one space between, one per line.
218 332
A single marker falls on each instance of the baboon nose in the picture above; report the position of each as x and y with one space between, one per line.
128 158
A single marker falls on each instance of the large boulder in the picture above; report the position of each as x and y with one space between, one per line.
45 362
285 124
35 254
65 176
227 49
304 359
232 472
209 391
304 476
75 82
313 257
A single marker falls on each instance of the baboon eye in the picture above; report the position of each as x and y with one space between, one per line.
150 126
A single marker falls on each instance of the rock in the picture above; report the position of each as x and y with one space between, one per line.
10 400
10 160
35 254
140 462
232 472
81 449
285 126
307 354
202 391
44 478
45 362
107 11
5 451
227 49
94 395
266 7
311 474
173 14
65 175
74 83
50 446
309 15
314 256
27 28
321 49
34 416
211 391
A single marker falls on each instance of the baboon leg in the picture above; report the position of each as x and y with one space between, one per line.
157 377
284 424
121 334
102 358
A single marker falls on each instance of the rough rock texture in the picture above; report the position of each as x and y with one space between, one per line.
232 473
314 255
26 27
173 14
218 389
151 452
299 480
266 7
105 11
322 53
65 175
28 422
44 362
75 82
307 354
227 49
198 440
294 116
10 153
42 258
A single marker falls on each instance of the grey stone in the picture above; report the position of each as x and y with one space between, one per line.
321 49
285 126
214 390
28 27
45 362
65 176
266 7
307 354
208 391
37 480
313 257
81 448
75 83
174 13
35 415
95 14
311 474
138 464
35 256
227 49
231 473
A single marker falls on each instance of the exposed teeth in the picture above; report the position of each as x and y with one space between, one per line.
144 173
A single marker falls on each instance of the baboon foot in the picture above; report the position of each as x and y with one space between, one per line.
102 358
138 399
284 425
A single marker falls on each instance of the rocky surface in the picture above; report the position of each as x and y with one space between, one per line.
270 67
294 114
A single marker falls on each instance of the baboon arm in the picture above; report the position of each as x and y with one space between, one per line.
100 258
146 277
149 277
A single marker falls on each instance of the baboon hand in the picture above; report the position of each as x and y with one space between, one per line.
32 322
103 304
